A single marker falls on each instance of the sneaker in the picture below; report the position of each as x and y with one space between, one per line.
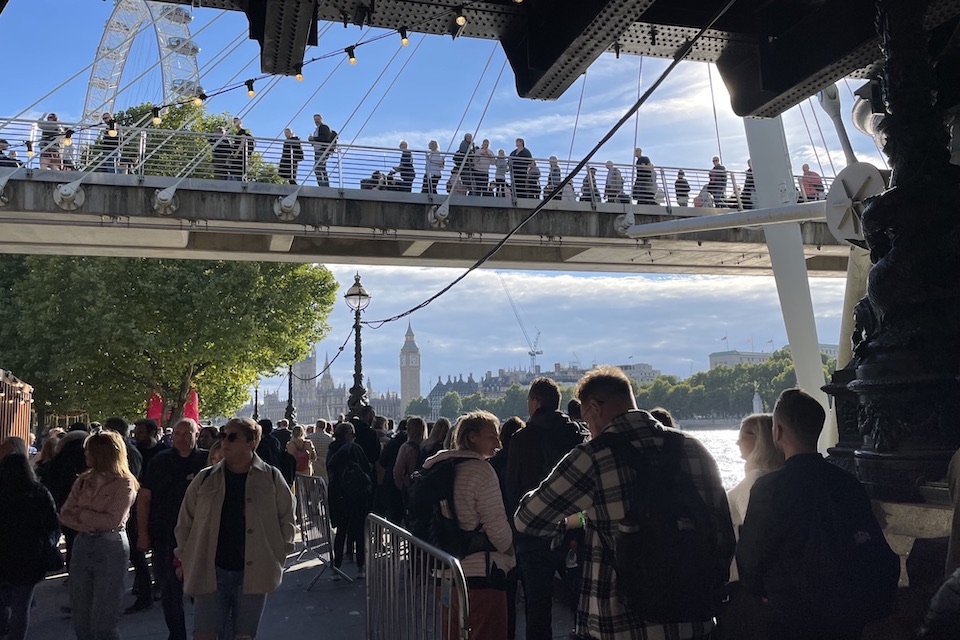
361 574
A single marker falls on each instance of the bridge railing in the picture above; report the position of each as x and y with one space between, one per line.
163 152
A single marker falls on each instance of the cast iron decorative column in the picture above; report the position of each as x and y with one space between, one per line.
907 335
290 413
256 401
357 299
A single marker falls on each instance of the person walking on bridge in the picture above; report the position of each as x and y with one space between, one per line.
323 139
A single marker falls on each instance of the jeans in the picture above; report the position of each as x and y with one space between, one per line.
15 600
212 610
97 572
537 567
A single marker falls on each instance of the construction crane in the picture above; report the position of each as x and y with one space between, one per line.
532 344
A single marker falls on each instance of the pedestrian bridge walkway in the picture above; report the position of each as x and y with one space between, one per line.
151 192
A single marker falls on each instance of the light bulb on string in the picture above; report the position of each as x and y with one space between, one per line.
30 153
198 99
112 128
299 74
404 40
461 18
68 138
250 90
351 54
156 116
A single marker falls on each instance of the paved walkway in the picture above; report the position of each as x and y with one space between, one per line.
333 611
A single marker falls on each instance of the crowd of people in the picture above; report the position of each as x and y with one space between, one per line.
474 170
606 494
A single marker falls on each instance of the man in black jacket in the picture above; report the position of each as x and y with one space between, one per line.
535 450
810 545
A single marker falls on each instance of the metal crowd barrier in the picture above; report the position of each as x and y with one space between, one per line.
316 534
414 591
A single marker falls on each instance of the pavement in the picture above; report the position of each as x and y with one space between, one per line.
335 607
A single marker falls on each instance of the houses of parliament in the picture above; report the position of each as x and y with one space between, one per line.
318 396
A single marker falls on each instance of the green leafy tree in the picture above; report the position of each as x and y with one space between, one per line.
189 150
103 333
418 407
514 402
451 405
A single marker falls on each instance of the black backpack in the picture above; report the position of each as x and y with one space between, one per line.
431 515
355 483
667 557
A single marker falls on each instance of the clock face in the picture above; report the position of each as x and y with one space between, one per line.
413 360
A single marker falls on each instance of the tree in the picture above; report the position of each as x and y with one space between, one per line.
190 150
418 407
514 402
106 332
451 405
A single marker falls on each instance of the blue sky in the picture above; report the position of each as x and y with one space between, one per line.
672 322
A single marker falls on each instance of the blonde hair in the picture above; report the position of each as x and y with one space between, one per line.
470 423
439 435
108 455
765 455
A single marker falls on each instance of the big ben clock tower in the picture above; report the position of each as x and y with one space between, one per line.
409 369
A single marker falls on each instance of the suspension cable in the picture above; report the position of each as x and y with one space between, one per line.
636 128
813 145
576 120
679 56
822 138
716 120
466 109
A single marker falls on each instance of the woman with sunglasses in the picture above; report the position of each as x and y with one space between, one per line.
97 509
234 532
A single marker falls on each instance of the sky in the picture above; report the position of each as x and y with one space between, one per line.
439 88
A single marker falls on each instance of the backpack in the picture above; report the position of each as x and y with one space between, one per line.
303 460
430 511
355 484
667 558
848 573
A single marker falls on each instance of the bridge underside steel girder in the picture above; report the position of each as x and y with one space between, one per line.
772 54
117 218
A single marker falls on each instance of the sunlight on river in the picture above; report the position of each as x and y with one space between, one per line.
722 445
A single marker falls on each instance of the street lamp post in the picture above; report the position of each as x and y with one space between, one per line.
256 402
357 299
290 413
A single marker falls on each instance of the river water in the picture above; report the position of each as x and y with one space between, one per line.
722 445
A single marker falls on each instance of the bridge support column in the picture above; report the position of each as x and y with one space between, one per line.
774 187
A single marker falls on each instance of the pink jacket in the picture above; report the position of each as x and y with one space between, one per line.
98 503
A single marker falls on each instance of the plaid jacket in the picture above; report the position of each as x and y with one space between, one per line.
589 479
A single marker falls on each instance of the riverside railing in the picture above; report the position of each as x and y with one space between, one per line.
414 591
152 151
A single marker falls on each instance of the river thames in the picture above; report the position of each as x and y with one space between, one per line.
722 445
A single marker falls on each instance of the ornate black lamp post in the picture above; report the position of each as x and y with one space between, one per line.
357 299
256 401
290 413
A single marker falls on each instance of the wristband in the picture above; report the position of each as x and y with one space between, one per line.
583 520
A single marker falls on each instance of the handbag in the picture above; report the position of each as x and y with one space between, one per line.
50 552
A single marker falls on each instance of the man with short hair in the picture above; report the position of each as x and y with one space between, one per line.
534 451
717 181
282 433
520 159
162 487
321 443
147 437
787 541
366 437
323 140
812 184
595 481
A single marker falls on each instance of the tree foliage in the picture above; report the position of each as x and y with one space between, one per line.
418 407
190 150
101 334
451 405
